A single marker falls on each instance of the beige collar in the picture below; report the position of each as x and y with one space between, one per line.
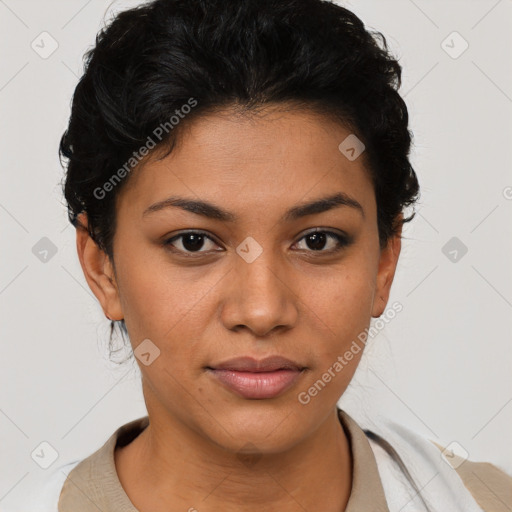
93 483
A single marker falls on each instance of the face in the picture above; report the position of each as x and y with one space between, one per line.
246 276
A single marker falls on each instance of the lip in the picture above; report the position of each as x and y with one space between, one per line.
257 379
250 364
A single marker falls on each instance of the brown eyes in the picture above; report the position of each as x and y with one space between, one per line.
192 243
317 240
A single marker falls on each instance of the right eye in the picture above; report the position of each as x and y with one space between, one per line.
190 241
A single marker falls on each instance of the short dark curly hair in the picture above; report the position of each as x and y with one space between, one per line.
149 61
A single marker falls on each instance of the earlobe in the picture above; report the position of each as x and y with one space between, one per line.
98 272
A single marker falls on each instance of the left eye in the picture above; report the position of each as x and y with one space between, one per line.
317 239
193 242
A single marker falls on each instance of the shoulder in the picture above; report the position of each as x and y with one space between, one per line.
61 488
490 486
439 476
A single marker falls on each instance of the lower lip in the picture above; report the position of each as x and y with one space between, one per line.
257 385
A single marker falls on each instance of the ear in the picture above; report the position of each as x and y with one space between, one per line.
98 271
387 265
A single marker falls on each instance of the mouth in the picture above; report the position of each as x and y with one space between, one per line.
257 379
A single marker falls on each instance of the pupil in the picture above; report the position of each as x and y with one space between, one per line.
318 241
193 241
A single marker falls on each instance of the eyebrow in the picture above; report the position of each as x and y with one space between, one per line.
212 211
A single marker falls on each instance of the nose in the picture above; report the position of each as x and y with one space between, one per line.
260 296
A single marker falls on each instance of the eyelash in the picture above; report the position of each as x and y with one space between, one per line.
342 240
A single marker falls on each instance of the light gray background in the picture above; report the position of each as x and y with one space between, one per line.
441 367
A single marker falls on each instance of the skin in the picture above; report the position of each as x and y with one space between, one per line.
292 301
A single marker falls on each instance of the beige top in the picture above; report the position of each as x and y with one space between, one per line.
93 483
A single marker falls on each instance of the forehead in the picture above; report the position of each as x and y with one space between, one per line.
252 163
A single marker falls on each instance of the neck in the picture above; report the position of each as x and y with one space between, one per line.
168 467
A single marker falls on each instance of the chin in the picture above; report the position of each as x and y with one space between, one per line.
259 425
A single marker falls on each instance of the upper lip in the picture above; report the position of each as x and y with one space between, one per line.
250 364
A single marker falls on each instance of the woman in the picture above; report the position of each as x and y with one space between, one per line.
237 175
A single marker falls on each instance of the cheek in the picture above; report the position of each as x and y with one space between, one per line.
170 309
341 312
166 304
340 306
